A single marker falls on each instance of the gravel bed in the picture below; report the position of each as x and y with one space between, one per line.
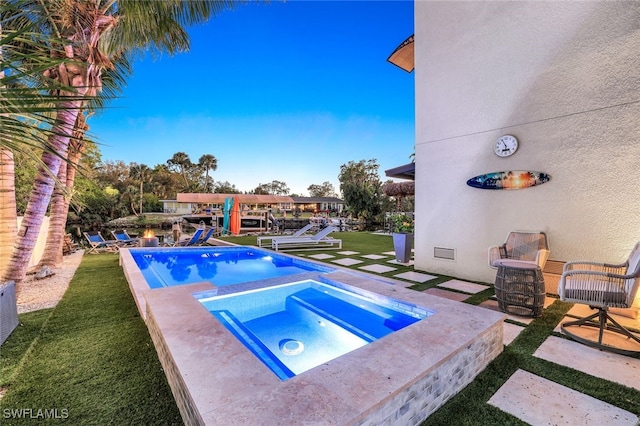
34 294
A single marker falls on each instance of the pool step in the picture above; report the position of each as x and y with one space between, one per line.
360 321
253 343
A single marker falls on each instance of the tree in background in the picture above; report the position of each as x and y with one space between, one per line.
180 163
324 190
226 188
276 187
208 162
140 173
361 189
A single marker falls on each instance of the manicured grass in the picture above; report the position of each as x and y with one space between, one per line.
93 357
15 350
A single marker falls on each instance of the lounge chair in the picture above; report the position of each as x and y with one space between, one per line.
193 240
318 241
123 238
528 248
298 233
98 244
602 286
205 238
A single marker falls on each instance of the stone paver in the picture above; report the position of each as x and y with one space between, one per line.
606 365
347 261
418 277
511 331
348 252
539 401
379 269
451 295
374 256
321 256
579 310
395 262
463 286
493 305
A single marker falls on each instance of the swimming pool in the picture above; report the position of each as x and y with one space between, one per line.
295 327
222 266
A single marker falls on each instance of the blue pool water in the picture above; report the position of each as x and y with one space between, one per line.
222 266
294 327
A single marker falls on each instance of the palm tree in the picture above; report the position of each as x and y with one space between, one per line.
95 33
208 162
180 162
25 108
140 172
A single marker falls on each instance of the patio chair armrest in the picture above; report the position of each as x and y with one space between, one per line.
594 266
541 257
494 254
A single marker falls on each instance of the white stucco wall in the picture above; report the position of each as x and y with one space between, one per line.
564 77
41 241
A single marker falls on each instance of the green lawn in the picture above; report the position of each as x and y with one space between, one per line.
92 360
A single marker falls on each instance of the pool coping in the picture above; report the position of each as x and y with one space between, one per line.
216 380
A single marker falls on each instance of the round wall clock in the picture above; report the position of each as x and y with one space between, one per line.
506 145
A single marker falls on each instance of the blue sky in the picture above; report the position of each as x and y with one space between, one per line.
284 91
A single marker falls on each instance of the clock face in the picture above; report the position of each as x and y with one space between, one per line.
506 145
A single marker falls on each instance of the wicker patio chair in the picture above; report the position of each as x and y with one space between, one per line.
602 286
529 248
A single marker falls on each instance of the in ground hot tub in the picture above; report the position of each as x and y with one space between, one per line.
294 327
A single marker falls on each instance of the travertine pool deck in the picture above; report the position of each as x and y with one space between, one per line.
399 379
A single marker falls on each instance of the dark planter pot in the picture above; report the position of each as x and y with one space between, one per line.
403 243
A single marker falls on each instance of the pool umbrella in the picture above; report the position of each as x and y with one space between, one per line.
225 218
234 225
403 56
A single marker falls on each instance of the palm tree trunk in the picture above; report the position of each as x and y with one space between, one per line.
8 211
141 194
62 197
8 215
42 190
53 250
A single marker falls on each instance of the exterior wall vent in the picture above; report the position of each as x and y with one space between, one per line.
444 253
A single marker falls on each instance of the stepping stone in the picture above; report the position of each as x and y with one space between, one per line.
348 252
415 276
539 401
380 269
493 305
548 301
347 261
389 253
609 337
606 365
579 310
463 286
374 256
395 262
510 332
321 256
458 297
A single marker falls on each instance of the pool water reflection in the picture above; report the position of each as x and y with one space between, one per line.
222 266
